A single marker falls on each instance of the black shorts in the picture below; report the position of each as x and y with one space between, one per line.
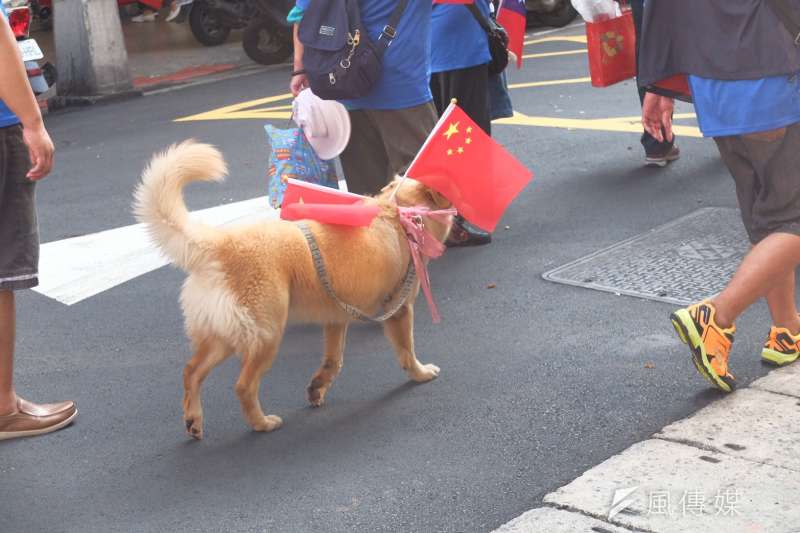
19 231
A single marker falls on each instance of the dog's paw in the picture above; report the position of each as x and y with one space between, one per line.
425 373
194 427
269 423
316 392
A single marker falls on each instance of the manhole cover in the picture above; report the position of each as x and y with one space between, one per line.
681 262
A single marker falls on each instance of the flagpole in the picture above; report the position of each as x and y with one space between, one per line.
441 120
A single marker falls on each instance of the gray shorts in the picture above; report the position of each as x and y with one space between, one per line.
383 143
766 169
19 232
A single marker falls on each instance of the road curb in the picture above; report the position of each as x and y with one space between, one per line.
732 466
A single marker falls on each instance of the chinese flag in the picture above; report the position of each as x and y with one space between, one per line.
460 161
343 214
310 193
512 16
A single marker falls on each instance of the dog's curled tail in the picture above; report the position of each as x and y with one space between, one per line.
158 200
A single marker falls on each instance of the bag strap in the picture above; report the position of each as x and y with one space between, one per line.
389 32
788 17
479 17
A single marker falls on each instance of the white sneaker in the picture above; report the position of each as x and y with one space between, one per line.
145 17
174 11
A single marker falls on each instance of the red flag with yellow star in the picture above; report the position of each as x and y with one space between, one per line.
460 161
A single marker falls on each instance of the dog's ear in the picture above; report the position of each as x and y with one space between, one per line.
438 199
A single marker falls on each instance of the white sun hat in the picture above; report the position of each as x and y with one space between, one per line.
325 123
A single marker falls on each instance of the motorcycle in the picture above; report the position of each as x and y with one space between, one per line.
19 18
556 13
267 37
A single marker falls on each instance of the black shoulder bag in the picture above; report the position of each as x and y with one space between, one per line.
789 17
498 40
339 58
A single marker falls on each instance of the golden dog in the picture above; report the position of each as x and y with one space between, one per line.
246 283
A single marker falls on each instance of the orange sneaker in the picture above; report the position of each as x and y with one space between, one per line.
710 344
781 347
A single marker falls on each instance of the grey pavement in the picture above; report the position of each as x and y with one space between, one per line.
540 382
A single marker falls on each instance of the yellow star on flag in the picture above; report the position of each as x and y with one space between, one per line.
450 151
460 150
469 129
469 141
452 130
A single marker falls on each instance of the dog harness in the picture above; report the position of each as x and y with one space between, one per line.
422 245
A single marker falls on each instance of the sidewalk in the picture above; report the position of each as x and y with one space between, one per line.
161 53
732 467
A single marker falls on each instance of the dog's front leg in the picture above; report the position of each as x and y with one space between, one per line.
322 379
254 365
400 331
209 353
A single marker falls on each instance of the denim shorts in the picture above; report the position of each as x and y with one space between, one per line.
19 231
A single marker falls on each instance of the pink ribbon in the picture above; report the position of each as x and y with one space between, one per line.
424 246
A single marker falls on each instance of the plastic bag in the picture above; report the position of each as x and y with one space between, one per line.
293 157
596 10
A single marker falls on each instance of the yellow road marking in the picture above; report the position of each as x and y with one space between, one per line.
553 54
605 124
243 111
560 38
548 83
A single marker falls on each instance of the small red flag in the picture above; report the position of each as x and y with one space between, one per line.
347 215
512 16
460 161
311 193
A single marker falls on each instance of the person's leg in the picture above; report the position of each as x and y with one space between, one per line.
19 257
782 304
656 153
8 398
364 161
763 270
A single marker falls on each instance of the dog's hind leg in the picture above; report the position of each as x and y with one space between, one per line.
209 353
255 364
331 364
400 331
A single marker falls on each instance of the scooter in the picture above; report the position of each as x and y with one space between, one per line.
19 18
267 37
557 13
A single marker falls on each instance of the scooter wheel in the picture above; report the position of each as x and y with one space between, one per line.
206 26
267 44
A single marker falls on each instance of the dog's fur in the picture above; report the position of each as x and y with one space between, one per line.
246 283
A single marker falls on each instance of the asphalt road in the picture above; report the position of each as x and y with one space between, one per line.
539 381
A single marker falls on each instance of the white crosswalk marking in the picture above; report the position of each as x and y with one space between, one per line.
72 270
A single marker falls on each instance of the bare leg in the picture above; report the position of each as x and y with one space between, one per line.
209 354
782 304
322 380
8 398
254 366
400 331
765 267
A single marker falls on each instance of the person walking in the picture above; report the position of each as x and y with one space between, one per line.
392 122
656 153
746 93
26 156
460 69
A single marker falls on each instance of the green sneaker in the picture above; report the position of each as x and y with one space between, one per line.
781 347
710 344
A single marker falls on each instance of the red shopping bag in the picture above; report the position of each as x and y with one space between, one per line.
612 50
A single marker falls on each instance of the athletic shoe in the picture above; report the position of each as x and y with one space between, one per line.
710 344
145 17
662 160
781 347
31 419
